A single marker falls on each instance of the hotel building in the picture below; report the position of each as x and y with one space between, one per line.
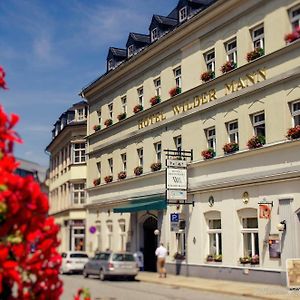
220 78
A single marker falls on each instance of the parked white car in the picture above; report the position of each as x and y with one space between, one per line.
73 261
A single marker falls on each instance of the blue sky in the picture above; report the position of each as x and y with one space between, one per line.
50 50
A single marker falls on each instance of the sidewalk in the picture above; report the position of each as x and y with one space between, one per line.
255 290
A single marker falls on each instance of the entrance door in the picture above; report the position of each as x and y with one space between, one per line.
150 244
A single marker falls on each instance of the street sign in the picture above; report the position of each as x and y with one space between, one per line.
174 221
176 179
176 195
176 163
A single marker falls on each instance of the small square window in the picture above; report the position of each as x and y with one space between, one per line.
258 37
183 14
154 34
130 50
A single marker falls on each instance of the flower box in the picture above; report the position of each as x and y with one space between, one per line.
292 36
208 154
206 76
122 175
97 127
245 260
108 178
96 181
175 91
138 170
256 142
254 260
108 122
121 116
230 148
256 53
209 258
154 100
155 166
293 133
218 258
138 108
228 66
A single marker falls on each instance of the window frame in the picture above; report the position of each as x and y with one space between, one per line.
257 124
110 109
216 233
233 134
124 104
154 34
158 151
140 92
295 113
182 14
211 139
81 153
210 62
99 115
124 161
295 21
130 50
140 153
110 64
157 85
178 143
259 39
253 232
81 198
178 77
110 165
232 51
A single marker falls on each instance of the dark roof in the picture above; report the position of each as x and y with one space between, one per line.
139 37
165 20
203 2
117 51
80 103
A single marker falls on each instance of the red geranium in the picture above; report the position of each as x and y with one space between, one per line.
2 80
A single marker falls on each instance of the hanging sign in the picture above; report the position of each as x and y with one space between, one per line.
176 179
264 211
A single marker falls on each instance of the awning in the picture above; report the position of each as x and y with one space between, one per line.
157 202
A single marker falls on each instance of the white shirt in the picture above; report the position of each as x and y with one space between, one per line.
161 252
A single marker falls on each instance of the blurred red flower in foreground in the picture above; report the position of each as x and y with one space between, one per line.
2 80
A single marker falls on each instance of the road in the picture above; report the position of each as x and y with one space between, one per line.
134 290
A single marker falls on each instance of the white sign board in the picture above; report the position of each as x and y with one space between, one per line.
176 179
176 163
176 195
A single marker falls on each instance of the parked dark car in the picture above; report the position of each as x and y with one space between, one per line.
109 264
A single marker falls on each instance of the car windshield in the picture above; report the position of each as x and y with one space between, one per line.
102 256
122 257
78 255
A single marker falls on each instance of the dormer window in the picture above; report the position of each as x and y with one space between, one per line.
154 34
110 64
183 14
80 114
130 50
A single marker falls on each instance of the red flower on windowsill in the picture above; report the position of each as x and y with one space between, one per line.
138 108
108 178
292 36
175 91
96 181
155 166
256 142
122 116
293 133
97 127
138 170
207 76
122 175
230 148
208 154
154 100
256 53
228 66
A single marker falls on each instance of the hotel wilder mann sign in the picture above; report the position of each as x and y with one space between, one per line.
198 101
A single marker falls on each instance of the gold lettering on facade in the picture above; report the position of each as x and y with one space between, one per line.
155 118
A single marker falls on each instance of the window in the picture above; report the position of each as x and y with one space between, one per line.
109 225
250 236
124 161
157 85
110 110
157 147
130 50
211 138
215 237
183 14
295 17
111 165
140 92
233 132
154 34
178 144
99 116
80 114
122 225
79 152
296 113
259 124
99 168
231 50
258 37
210 60
110 64
78 193
177 75
140 153
124 104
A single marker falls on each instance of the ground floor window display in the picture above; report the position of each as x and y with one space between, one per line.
250 237
77 237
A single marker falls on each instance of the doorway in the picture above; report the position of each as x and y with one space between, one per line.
150 244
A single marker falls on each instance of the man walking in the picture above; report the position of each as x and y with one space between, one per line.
161 253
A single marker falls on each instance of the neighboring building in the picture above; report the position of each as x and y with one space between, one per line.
67 178
38 172
259 97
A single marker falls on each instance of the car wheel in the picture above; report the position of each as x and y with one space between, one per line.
102 275
84 273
